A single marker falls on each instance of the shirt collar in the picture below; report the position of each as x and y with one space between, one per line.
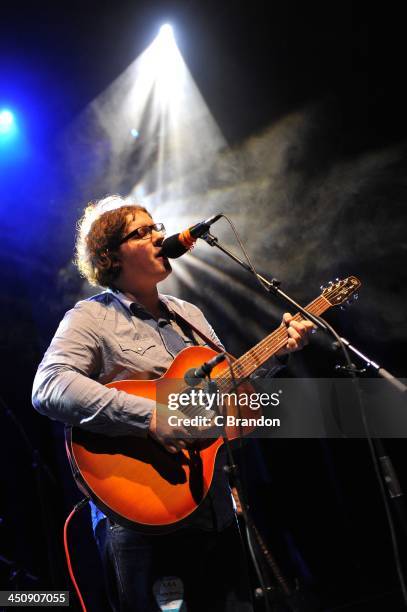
130 305
125 301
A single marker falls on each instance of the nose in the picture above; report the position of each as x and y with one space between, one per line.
157 238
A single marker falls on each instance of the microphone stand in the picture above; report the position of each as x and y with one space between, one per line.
388 473
273 286
290 595
266 591
382 372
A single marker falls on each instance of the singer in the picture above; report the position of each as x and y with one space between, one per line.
130 330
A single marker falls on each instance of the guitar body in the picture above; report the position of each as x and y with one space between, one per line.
135 480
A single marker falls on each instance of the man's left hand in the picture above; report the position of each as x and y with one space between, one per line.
298 334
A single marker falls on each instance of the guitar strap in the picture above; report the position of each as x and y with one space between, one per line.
181 320
206 339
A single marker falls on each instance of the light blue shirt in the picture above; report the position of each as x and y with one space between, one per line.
108 338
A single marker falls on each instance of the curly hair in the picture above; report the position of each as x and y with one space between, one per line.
99 231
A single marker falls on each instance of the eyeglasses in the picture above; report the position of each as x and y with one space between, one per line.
143 232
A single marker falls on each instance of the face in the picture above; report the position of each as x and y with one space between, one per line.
141 266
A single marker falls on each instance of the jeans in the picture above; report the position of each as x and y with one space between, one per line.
202 571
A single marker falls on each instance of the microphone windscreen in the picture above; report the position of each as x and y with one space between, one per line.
172 247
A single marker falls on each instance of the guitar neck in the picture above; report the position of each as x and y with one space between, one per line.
269 346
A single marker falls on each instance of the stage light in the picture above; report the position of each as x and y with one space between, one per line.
164 57
9 137
159 133
166 31
7 123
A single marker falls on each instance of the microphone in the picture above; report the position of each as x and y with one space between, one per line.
193 376
176 245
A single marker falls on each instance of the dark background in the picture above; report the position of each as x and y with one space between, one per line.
255 63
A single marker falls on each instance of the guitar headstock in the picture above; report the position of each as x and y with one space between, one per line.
341 290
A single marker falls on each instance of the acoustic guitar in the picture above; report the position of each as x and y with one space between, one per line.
135 481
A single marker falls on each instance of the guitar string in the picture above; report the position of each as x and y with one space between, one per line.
269 345
264 350
272 341
275 341
256 356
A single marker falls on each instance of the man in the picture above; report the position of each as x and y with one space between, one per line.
132 331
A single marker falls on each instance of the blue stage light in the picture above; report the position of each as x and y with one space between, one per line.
7 122
12 146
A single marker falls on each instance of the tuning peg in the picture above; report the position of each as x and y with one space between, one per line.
336 280
356 296
322 287
330 283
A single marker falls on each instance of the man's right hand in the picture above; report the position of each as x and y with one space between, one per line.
173 438
178 437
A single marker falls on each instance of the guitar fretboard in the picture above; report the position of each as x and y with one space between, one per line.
269 346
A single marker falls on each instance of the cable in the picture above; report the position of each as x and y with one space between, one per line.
78 506
245 253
